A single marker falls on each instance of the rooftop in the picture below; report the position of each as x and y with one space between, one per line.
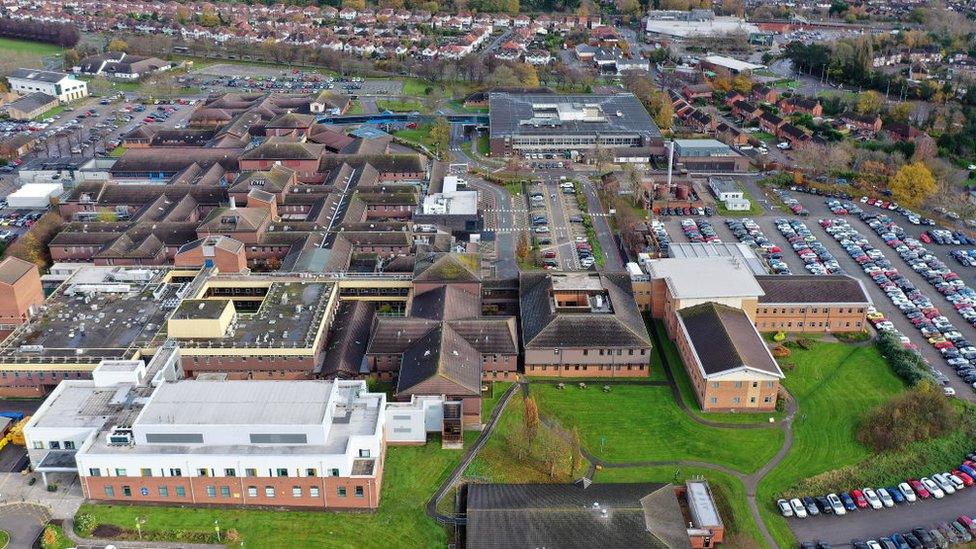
513 114
706 277
812 289
724 340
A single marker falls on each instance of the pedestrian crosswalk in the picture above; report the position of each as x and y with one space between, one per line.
506 210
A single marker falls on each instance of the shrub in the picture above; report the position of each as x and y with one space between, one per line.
50 538
232 535
804 343
84 524
920 414
780 351
853 337
905 363
780 336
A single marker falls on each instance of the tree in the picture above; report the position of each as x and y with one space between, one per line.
527 75
901 112
354 4
925 148
71 58
440 135
575 450
531 418
117 45
522 249
913 184
552 448
869 102
741 84
664 117
519 443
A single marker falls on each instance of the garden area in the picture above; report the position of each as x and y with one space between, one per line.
839 389
399 105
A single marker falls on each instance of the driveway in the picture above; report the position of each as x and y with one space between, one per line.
871 524
24 522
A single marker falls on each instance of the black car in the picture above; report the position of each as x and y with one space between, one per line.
912 541
859 544
824 505
924 537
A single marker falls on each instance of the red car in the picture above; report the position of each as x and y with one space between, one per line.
943 345
924 237
859 499
549 255
966 479
968 523
919 488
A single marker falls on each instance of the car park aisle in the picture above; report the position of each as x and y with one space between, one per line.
838 531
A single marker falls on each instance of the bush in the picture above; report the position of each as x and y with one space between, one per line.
804 343
853 337
50 538
920 414
780 336
84 524
780 351
905 363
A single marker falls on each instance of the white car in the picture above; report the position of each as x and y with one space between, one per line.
784 508
885 497
783 146
838 506
799 511
907 491
932 487
956 481
873 500
943 481
872 544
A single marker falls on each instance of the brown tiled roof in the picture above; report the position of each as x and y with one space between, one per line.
277 148
724 339
384 163
174 159
440 362
13 269
236 220
811 289
447 302
544 327
447 267
347 344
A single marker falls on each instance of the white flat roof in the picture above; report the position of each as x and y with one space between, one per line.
731 63
195 402
705 277
37 190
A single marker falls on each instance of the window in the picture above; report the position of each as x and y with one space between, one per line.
250 472
714 400
38 445
145 472
269 491
109 492
752 400
714 385
69 445
176 472
364 452
94 472
341 491
359 491
54 445
736 400
180 492
334 472
312 472
203 472
281 472
738 384
127 491
211 492
769 384
230 473
163 492
755 384
252 491
313 491
120 472
225 491
296 491
767 399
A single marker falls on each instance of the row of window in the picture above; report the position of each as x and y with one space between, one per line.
588 367
225 492
800 324
610 352
42 375
813 310
204 472
738 384
738 400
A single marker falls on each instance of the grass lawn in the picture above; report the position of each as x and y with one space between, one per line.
412 475
419 135
668 349
53 111
834 385
488 404
484 147
399 106
765 137
641 422
730 494
496 462
4 539
117 151
27 46
61 540
355 108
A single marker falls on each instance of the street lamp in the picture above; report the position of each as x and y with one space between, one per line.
217 528
139 522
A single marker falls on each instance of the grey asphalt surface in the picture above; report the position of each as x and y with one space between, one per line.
23 522
871 524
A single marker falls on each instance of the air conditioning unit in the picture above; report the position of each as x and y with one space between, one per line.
119 436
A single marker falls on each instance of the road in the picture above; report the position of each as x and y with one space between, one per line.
872 524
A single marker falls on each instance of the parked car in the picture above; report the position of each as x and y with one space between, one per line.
906 491
799 511
784 508
836 504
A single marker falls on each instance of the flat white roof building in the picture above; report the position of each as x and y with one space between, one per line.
706 278
255 442
58 84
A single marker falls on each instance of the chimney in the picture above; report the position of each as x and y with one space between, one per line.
670 161
233 203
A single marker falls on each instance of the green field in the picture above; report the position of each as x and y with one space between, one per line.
399 106
730 494
834 385
411 476
642 422
754 207
419 135
355 108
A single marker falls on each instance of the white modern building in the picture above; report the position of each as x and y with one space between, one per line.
312 444
58 84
